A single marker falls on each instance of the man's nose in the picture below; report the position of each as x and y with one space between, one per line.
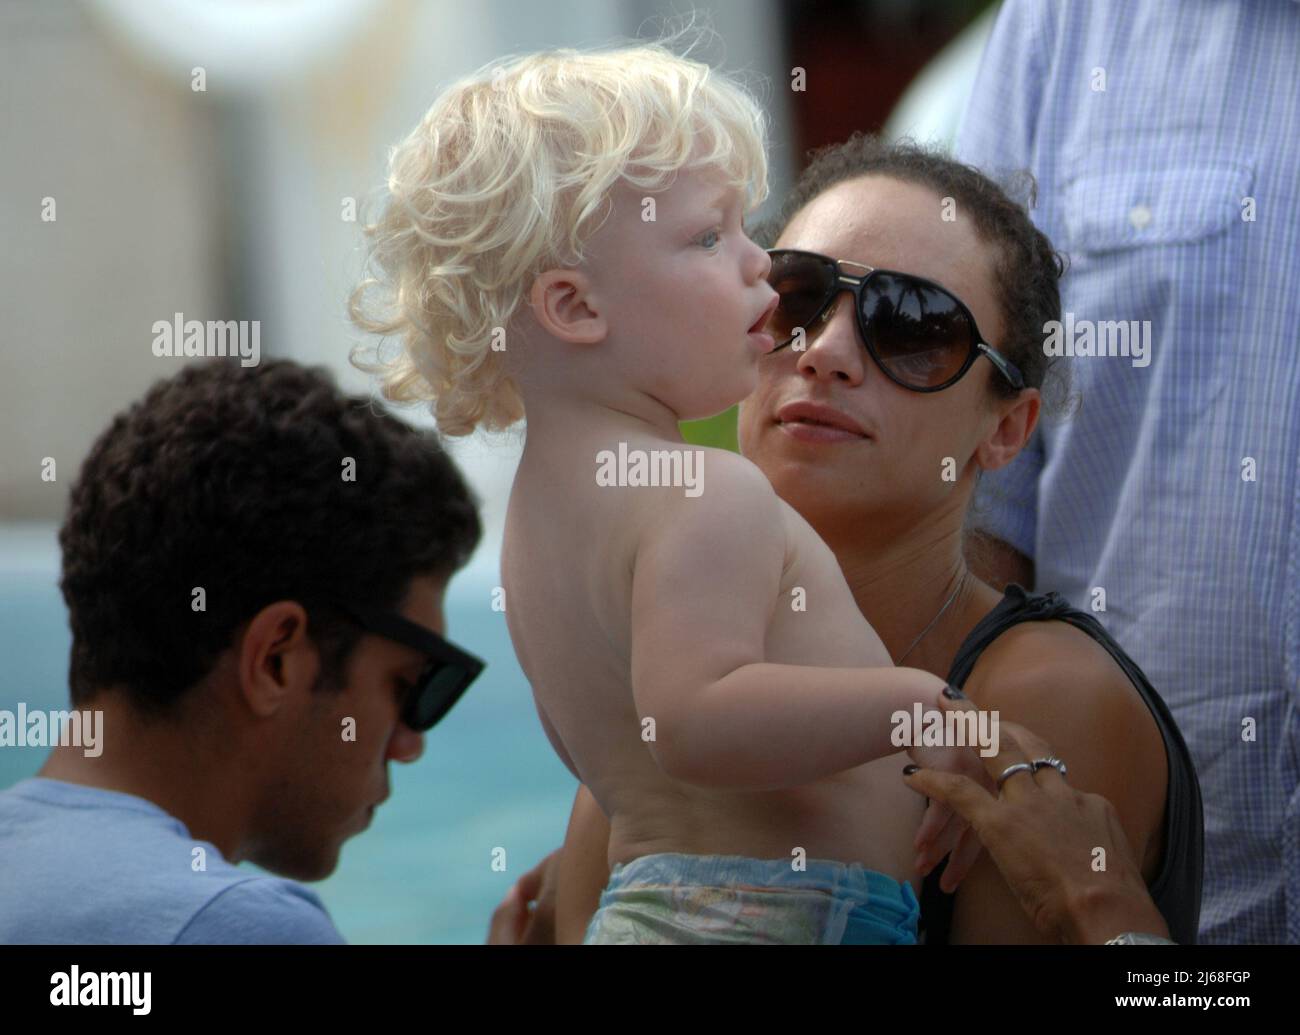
405 745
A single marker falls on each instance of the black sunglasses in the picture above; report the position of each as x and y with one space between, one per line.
446 675
919 333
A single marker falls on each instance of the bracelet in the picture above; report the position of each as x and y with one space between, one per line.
1134 938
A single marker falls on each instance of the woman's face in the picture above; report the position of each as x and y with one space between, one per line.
893 474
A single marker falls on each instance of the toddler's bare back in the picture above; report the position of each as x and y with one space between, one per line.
572 553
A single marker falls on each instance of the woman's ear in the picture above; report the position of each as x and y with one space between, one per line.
1015 420
564 305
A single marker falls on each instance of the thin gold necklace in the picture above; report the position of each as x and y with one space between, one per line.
960 582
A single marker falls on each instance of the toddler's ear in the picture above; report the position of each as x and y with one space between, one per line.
564 306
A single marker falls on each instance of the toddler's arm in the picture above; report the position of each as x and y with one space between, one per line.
704 586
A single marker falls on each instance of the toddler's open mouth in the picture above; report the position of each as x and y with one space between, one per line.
757 326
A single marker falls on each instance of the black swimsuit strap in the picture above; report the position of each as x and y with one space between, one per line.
1016 606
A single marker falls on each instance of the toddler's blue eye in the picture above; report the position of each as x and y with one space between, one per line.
711 233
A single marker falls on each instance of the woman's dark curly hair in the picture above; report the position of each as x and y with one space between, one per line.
232 479
1027 269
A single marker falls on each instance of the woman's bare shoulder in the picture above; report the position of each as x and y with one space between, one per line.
1051 665
1059 682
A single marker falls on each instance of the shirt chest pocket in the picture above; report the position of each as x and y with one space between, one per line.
1156 233
1120 200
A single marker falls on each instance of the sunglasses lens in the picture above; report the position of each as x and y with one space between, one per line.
438 691
803 282
920 332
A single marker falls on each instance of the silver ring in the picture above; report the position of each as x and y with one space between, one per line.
1051 760
1011 770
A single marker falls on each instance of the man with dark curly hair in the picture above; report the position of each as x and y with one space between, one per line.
254 567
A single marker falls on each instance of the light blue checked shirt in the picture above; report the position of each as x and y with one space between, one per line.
1175 487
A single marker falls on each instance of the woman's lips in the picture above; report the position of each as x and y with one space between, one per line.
806 431
809 420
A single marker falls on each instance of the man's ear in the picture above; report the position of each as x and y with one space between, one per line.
277 659
1016 419
565 306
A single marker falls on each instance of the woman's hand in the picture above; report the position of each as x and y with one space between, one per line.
1062 852
943 830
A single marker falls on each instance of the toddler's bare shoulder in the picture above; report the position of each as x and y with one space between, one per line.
729 475
735 499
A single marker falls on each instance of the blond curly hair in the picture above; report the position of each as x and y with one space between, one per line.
509 174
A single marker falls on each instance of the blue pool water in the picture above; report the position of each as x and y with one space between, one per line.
422 872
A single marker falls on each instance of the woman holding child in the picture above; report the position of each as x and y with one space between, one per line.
861 456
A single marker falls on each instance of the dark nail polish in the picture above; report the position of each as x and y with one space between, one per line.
908 770
952 693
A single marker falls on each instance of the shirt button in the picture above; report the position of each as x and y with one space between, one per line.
1139 216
